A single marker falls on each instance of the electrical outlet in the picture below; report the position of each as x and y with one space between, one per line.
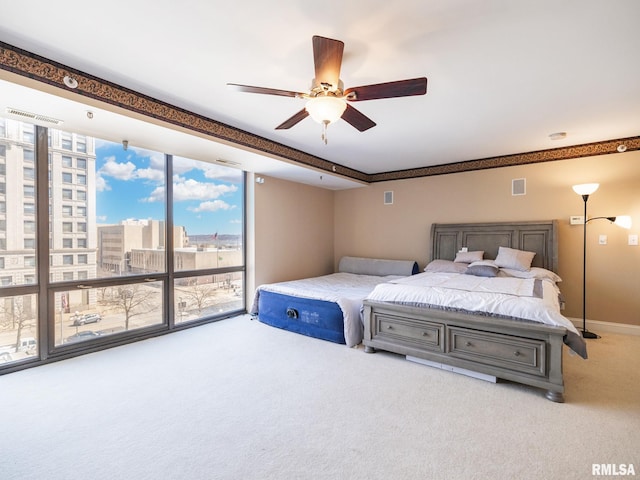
633 239
576 219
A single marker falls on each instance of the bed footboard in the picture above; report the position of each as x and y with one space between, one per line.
525 352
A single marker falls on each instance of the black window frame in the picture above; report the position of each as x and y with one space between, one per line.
45 287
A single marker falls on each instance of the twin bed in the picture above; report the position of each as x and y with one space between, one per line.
487 302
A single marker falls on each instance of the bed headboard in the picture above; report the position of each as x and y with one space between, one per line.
539 237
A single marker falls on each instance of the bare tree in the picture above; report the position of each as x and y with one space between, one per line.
102 293
17 315
132 300
199 295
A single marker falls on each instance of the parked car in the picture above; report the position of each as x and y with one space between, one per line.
81 336
5 357
27 345
86 318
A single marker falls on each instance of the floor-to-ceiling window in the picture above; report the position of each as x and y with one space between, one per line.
19 282
103 243
208 245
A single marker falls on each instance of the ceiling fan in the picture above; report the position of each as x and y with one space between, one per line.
327 99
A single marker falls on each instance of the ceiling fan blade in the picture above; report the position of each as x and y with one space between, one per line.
266 91
327 58
290 122
400 88
357 119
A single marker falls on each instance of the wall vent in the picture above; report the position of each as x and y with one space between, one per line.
33 116
519 186
388 198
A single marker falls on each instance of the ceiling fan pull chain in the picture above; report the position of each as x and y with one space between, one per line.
325 124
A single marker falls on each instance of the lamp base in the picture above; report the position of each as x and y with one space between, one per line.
588 334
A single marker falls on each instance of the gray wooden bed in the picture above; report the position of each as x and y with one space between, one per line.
517 350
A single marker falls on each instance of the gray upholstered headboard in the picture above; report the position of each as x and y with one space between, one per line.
539 237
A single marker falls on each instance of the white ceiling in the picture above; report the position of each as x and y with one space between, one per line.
502 74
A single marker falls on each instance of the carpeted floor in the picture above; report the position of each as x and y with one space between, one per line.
241 400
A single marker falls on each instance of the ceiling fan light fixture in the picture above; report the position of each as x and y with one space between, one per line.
326 109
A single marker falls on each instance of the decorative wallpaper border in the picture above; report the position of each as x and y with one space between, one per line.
564 153
47 71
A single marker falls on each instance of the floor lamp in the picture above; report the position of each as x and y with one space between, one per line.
624 221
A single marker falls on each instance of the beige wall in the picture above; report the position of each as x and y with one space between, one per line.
293 231
364 226
302 231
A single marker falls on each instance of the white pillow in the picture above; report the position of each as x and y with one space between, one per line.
469 257
534 272
514 259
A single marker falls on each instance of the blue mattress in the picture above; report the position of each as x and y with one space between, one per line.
314 318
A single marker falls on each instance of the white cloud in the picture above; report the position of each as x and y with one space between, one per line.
178 179
101 184
156 196
127 171
156 159
211 170
121 171
183 165
189 189
150 174
212 206
194 190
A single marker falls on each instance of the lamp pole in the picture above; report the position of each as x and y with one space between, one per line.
585 332
623 221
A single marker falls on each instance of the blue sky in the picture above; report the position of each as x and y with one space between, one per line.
130 184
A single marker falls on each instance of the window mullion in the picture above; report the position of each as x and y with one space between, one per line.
169 244
42 239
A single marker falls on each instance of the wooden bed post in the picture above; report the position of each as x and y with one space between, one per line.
367 330
555 369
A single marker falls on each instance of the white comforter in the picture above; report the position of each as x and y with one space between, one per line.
508 297
348 290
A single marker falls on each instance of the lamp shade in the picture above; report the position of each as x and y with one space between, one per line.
623 221
585 188
326 109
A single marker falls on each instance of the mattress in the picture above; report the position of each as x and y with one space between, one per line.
528 299
345 290
329 306
307 316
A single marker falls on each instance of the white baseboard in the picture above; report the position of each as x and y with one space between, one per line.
598 327
449 368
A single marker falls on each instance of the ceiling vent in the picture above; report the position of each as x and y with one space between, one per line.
33 116
222 161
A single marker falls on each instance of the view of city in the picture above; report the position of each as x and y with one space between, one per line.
107 221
